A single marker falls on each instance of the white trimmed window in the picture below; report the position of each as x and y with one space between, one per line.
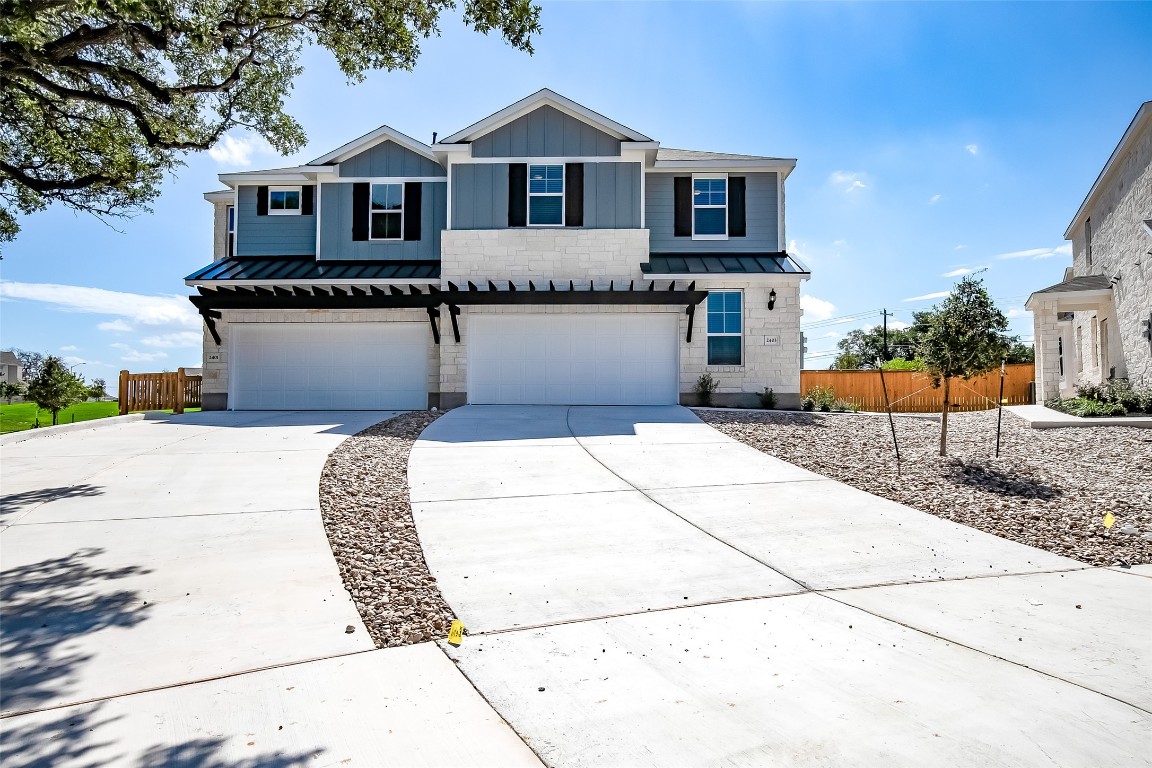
545 195
387 212
710 207
725 328
284 201
231 238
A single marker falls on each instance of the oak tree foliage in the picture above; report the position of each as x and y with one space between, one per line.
99 99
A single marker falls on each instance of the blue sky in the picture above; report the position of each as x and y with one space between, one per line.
930 138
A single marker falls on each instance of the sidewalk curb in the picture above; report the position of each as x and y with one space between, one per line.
109 421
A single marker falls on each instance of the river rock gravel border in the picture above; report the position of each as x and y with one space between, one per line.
367 515
1049 489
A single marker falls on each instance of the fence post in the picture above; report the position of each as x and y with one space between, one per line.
180 384
123 392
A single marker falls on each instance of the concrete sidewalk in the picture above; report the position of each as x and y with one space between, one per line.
642 590
169 597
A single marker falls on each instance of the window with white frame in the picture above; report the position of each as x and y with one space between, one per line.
545 195
387 212
284 201
725 327
710 207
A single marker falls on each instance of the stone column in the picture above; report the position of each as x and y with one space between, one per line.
1046 331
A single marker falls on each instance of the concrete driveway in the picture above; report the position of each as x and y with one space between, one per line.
642 590
169 597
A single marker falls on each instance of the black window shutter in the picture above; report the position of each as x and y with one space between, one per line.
261 201
518 194
682 197
361 194
574 195
412 190
308 200
737 220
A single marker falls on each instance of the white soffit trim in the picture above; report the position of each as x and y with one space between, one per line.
301 174
783 166
222 196
369 140
1068 297
730 277
536 100
1143 118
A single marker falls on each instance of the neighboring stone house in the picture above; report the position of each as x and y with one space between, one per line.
544 255
11 370
1096 325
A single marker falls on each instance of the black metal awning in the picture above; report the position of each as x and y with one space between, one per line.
722 265
307 269
211 300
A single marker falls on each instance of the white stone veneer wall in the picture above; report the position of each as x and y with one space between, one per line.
541 255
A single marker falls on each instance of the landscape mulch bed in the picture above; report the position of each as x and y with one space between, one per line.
1049 489
367 515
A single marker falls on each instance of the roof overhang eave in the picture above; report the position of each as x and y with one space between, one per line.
1065 299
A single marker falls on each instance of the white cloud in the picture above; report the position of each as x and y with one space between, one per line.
831 335
173 340
73 360
816 309
1014 312
135 356
70 348
1037 253
853 180
118 326
928 296
145 310
934 199
972 149
961 271
960 247
238 150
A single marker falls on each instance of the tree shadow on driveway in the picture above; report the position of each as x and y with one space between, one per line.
47 605
13 505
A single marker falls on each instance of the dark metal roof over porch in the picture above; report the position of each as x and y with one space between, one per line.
296 269
722 265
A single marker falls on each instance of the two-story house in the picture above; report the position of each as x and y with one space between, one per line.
1096 325
543 255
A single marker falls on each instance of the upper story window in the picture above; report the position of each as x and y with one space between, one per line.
231 246
284 201
387 211
1088 243
545 195
725 327
710 207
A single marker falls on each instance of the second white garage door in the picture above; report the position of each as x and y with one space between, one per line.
592 359
329 366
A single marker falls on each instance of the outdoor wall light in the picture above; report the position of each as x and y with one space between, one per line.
771 299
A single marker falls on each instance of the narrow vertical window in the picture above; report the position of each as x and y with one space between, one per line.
387 212
545 195
1088 243
1079 349
710 207
230 245
725 328
1060 351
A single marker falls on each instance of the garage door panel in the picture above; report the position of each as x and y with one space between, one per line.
601 359
329 366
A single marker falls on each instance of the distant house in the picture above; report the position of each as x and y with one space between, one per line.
1096 325
10 368
543 255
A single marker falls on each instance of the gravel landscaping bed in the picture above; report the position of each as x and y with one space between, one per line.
365 504
1049 488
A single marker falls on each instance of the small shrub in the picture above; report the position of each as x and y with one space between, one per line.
767 399
822 397
845 406
807 404
1086 407
1089 392
706 386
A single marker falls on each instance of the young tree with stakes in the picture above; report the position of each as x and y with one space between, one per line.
963 338
56 388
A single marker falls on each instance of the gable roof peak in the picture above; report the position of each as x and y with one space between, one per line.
544 97
367 141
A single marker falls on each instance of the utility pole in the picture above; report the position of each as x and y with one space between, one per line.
886 314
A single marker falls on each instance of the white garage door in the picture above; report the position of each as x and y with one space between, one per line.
601 359
329 366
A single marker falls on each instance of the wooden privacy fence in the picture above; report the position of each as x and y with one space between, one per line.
912 391
159 391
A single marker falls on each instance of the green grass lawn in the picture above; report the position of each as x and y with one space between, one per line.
18 416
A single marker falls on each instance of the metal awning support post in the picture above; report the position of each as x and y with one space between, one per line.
434 313
210 317
454 313
691 312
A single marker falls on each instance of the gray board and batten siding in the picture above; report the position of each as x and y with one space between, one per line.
336 226
389 159
480 196
546 132
761 212
271 235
